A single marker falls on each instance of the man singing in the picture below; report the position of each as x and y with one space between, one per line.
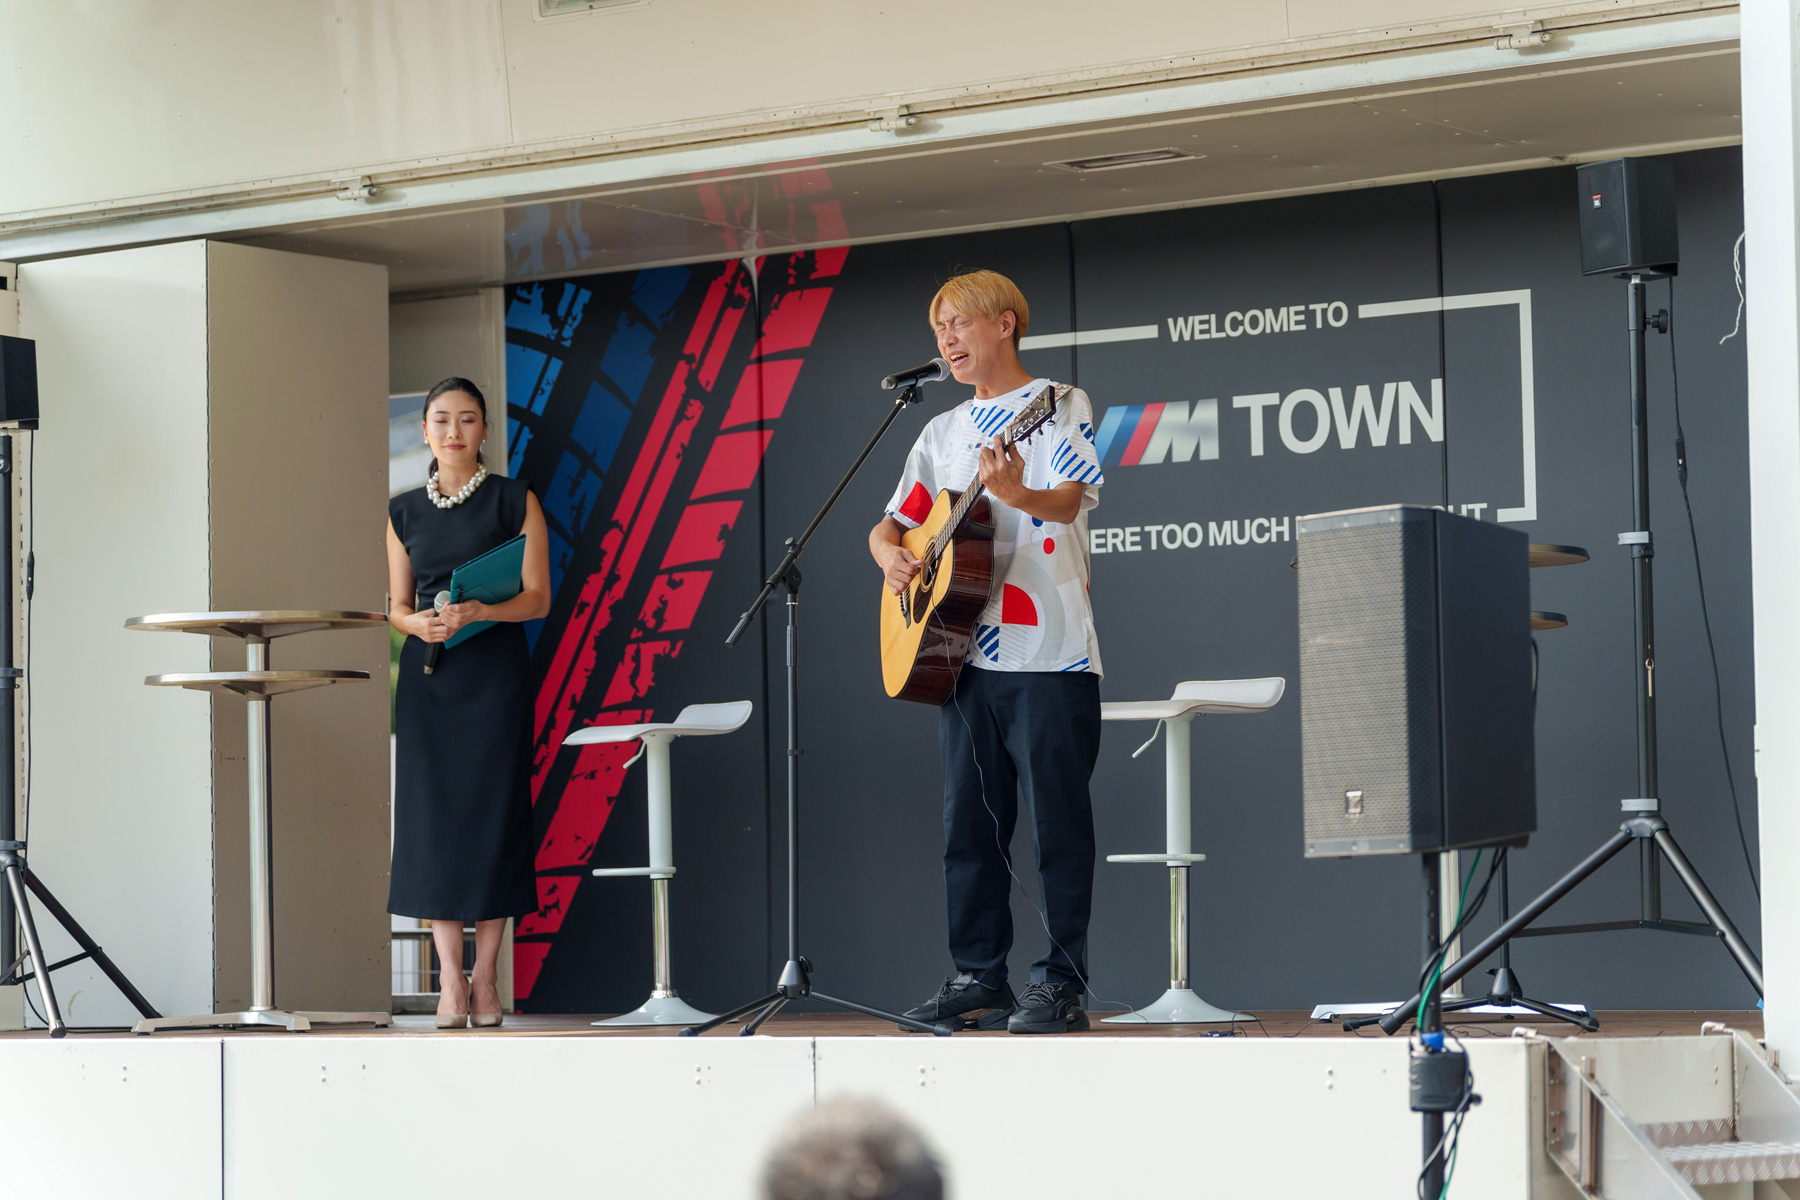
1026 710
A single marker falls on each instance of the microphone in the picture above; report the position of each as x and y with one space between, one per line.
931 372
431 656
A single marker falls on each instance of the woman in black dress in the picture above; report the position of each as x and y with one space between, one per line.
462 781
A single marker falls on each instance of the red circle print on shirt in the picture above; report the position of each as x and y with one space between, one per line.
1049 545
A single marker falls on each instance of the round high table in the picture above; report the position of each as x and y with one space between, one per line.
257 684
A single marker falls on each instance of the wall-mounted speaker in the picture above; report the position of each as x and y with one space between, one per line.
1628 217
18 382
1415 682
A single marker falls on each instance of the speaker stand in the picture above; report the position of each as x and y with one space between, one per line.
1644 823
1506 991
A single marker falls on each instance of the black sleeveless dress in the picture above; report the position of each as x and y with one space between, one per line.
462 771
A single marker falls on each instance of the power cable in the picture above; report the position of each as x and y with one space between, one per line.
1712 650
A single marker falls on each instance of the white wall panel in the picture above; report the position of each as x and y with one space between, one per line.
139 98
12 1002
121 808
213 423
656 64
506 1116
112 1117
297 353
1772 321
144 96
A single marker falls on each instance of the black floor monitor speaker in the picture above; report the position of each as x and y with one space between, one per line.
1415 682
18 382
1627 210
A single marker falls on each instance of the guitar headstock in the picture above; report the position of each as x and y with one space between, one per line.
1037 414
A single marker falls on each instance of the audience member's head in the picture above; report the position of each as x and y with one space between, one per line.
851 1149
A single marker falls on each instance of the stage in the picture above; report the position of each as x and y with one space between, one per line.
547 1105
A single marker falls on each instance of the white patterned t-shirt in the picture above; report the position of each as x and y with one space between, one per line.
1039 617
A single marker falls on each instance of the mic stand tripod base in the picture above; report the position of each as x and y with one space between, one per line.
794 985
1507 994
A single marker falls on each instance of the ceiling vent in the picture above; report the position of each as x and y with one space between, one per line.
1114 162
548 9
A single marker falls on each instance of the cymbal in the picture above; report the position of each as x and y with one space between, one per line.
1547 620
1546 554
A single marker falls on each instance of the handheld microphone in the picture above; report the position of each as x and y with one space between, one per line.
931 372
431 656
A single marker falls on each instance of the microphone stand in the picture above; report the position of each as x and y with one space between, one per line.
795 981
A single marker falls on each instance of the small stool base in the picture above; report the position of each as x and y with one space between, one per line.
273 1018
1178 1006
657 1010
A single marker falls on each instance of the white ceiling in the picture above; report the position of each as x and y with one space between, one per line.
1515 118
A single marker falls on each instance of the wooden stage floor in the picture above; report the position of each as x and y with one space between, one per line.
1619 1023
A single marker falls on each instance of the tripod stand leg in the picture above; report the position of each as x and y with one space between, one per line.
1391 1023
906 1022
39 965
732 1015
73 928
755 1023
1740 950
1586 1021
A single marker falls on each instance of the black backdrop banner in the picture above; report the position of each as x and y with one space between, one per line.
1427 343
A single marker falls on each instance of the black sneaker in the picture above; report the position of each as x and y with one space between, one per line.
1048 1008
965 1003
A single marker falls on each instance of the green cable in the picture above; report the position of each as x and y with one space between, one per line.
1449 1168
1437 968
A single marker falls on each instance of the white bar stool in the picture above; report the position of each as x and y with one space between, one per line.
1179 1005
663 1007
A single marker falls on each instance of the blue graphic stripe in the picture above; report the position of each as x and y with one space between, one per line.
988 638
1080 666
1112 425
989 420
1071 464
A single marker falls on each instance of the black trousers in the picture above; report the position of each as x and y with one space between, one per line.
1005 732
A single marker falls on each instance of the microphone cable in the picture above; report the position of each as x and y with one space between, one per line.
1005 851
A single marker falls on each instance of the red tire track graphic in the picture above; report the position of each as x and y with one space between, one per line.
733 460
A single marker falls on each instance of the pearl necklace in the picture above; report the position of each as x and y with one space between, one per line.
463 493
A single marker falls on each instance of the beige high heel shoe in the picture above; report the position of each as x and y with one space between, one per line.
456 1020
483 1020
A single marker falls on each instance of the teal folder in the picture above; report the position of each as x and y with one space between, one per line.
492 578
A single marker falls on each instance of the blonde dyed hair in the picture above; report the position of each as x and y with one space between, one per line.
986 292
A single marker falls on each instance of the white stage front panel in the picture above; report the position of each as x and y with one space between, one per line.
311 1116
266 1117
1243 1116
111 1117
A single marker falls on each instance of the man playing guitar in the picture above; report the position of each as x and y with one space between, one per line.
1028 713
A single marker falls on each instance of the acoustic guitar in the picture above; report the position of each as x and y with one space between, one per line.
925 630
